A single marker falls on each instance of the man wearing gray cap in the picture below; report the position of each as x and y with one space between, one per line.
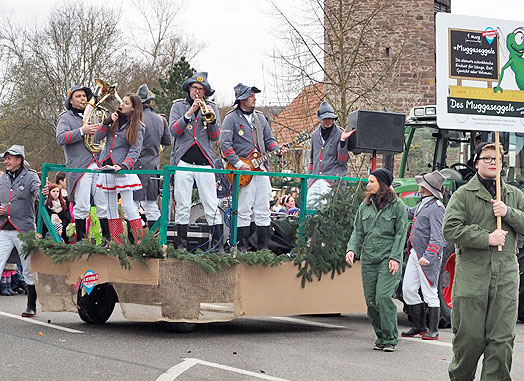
156 134
19 189
70 134
244 131
426 245
329 153
194 137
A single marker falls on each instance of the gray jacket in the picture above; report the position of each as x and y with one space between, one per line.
327 157
69 135
238 137
19 198
117 147
194 132
426 236
155 134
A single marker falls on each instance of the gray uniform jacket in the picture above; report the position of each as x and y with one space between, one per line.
19 199
426 236
155 134
117 147
327 157
69 135
194 132
238 137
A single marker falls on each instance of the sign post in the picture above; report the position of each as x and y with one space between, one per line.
480 77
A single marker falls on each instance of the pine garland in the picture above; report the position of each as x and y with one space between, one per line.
322 248
60 252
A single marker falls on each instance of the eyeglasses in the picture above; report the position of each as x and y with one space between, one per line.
196 88
488 159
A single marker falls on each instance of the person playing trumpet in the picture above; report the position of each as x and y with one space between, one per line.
195 125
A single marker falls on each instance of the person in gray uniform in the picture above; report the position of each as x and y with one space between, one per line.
246 130
70 134
329 153
19 190
426 245
156 134
194 137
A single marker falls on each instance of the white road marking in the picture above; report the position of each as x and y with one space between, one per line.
433 342
32 321
178 369
306 322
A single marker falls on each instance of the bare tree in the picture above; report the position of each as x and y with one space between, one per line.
334 43
73 48
158 38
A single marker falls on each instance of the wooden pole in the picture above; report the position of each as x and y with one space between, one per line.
497 179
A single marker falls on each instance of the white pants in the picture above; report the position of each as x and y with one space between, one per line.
8 240
207 191
415 279
254 198
151 209
83 190
318 189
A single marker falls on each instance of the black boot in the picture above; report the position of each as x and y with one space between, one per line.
434 316
262 237
4 290
150 225
243 238
418 318
104 225
181 232
30 311
80 226
217 240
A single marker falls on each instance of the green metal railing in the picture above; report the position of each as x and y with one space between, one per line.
166 172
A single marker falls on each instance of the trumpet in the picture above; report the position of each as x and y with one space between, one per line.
207 116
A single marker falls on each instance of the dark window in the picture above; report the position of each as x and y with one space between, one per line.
443 6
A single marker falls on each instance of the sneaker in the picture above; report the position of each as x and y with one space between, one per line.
388 348
378 347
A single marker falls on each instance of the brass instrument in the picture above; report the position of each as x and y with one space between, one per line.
207 116
98 108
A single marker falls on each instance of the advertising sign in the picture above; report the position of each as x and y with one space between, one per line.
480 73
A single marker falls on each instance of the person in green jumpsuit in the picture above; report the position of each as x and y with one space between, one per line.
485 287
378 238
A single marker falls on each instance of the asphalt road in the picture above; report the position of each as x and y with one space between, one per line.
295 348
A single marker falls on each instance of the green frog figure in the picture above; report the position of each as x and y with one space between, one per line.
515 45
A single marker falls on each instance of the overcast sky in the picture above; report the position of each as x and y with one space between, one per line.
239 40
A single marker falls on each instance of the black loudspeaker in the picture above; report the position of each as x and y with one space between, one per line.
380 132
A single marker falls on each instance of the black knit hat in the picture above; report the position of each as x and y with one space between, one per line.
486 145
383 175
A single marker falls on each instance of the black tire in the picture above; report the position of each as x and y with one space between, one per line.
445 284
178 327
98 306
520 257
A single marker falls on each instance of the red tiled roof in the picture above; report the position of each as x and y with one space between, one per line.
300 115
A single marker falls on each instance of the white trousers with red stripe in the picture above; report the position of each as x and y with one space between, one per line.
84 188
253 199
8 240
207 192
415 279
318 189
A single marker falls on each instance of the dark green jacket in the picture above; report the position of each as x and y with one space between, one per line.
382 233
469 217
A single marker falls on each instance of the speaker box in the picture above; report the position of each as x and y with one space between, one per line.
197 236
380 132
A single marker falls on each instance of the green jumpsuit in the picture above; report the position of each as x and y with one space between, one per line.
485 288
382 234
